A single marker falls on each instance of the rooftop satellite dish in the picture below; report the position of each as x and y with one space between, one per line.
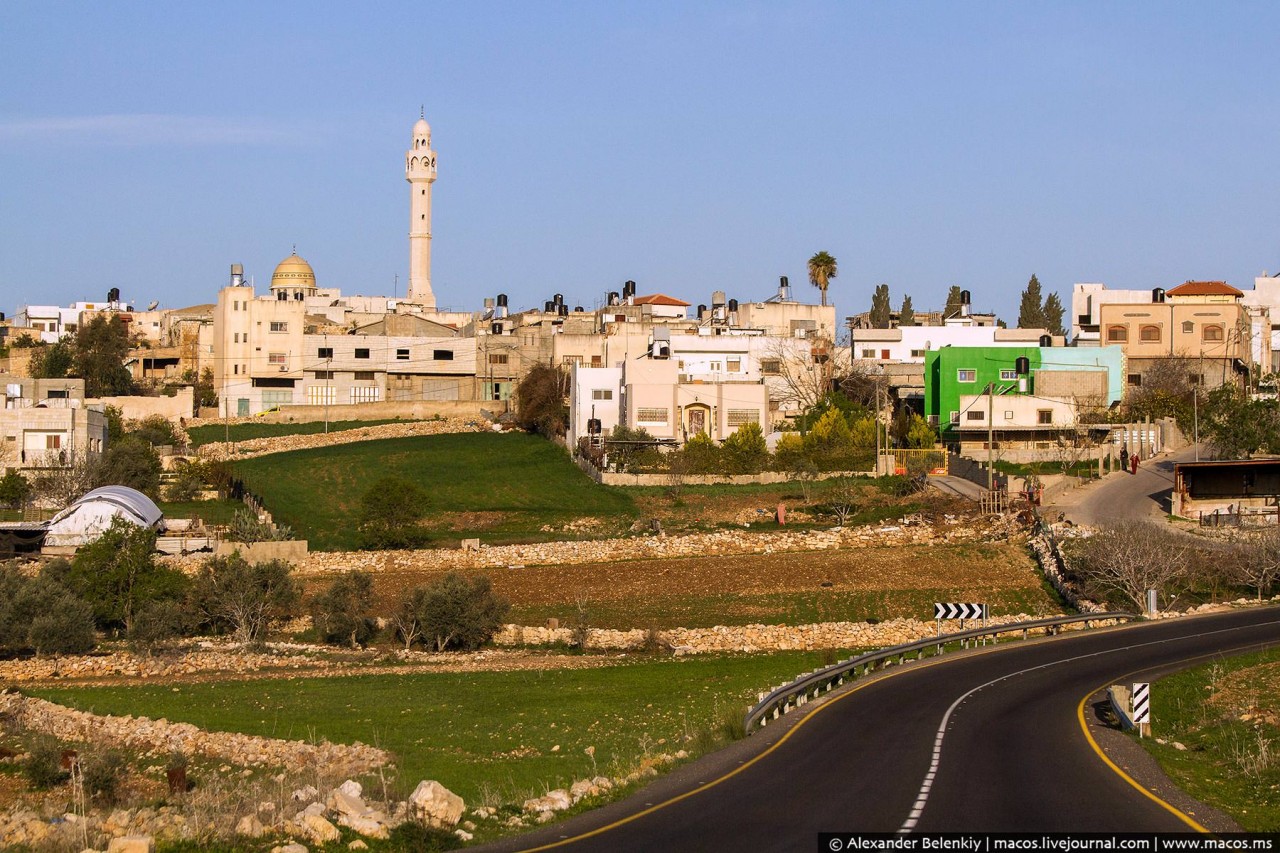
154 304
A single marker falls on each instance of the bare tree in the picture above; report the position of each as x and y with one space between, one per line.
845 499
1125 559
1075 441
1255 561
803 370
58 481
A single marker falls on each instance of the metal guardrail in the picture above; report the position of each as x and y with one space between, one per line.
798 692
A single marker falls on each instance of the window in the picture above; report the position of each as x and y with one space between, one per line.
363 376
738 417
402 355
1211 333
323 374
974 415
868 353
364 394
235 369
771 367
716 366
497 390
322 395
653 416
1117 334
1044 417
1008 414
964 374
402 384
324 352
601 393
733 365
272 399
1135 380
442 355
278 358
52 442
59 394
917 353
597 361
572 359
1149 334
497 358
884 354
933 420
1008 375
279 327
362 353
237 338
1188 327
955 417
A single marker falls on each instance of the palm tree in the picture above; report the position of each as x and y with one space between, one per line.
822 268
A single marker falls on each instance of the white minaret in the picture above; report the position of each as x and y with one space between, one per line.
420 172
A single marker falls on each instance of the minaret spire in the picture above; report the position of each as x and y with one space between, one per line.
420 172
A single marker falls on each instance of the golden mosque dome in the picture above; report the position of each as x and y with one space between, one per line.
293 271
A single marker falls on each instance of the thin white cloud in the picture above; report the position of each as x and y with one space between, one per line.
142 129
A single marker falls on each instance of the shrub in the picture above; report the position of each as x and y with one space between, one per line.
540 400
131 462
43 765
702 455
103 773
42 615
158 622
455 612
14 489
231 595
247 527
632 450
389 514
118 573
745 451
188 482
156 430
341 613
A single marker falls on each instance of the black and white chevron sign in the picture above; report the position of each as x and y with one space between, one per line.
1141 702
959 611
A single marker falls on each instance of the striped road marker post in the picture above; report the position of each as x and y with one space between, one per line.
1142 706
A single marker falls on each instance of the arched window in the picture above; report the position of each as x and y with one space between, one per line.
1149 334
1117 334
1188 327
1212 333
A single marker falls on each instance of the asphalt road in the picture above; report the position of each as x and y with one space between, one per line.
1004 725
1128 496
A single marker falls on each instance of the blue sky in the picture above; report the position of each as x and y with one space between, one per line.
688 146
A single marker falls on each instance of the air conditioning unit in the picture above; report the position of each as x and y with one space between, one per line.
284 368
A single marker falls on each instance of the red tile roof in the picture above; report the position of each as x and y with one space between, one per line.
660 299
1204 288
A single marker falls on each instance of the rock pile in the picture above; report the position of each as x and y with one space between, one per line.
161 737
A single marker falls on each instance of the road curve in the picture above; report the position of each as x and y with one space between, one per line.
1122 495
1003 723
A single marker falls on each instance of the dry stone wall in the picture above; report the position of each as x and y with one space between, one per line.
221 450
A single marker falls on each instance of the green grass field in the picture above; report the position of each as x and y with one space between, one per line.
209 433
1229 763
211 512
498 487
488 736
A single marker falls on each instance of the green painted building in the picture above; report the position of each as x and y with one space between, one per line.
953 372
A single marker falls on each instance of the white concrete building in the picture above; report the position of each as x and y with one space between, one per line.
908 344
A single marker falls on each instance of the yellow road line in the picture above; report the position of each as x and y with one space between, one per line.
1084 727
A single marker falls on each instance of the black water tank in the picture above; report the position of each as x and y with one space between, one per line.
549 307
564 310
783 281
495 328
613 297
593 426
629 288
113 295
733 305
1157 294
702 309
577 309
502 300
1022 365
558 299
1046 340
965 298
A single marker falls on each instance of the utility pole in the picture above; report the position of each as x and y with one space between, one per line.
877 430
991 405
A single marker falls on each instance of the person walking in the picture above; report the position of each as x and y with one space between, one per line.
1124 459
1133 463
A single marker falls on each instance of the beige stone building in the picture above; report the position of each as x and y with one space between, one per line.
44 423
1204 322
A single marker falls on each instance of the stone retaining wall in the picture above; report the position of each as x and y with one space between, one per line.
220 450
162 737
911 530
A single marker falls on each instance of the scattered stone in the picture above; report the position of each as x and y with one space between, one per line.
437 804
357 844
319 829
352 788
463 834
291 847
304 794
250 827
132 844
